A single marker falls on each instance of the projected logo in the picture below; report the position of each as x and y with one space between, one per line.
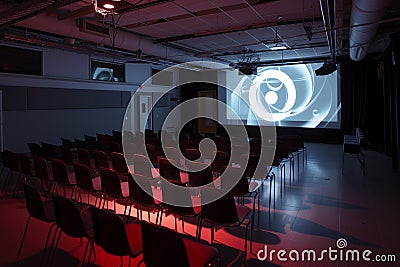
290 93
140 160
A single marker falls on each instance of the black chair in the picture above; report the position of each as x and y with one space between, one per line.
67 155
203 177
168 170
119 163
61 176
142 166
115 237
152 154
81 144
67 142
352 145
233 215
49 151
175 249
11 165
220 161
117 135
42 174
73 220
140 197
39 210
100 159
26 167
245 188
182 212
173 153
111 188
186 144
35 149
84 157
89 138
84 182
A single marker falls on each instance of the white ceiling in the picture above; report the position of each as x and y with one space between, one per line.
229 31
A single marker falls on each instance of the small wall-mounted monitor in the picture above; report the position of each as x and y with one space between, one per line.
107 71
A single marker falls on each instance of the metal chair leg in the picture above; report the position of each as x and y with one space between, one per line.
23 236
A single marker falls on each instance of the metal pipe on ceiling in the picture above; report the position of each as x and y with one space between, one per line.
364 23
123 40
328 17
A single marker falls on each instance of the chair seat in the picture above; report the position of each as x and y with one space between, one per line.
134 233
199 254
243 212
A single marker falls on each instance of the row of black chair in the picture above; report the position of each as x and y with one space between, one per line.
109 232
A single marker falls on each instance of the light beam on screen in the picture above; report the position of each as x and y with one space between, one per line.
289 95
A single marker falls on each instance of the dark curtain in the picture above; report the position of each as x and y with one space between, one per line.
362 100
392 100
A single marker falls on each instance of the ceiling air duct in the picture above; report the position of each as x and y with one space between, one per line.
364 23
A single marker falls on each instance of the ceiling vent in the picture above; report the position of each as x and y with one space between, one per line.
92 27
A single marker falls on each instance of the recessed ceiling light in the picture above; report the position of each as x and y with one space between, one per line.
278 47
108 6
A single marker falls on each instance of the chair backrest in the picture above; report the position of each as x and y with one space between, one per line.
114 146
169 196
68 142
119 163
129 151
171 251
219 143
202 177
84 157
25 164
186 144
172 153
60 171
40 167
196 138
241 187
110 182
168 170
34 203
152 153
213 210
192 153
109 232
83 177
35 149
68 217
142 166
221 159
10 160
137 192
49 150
117 135
252 162
66 154
100 159
89 138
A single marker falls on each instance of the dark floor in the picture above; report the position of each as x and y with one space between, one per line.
312 213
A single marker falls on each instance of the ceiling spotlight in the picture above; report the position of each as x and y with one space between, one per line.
108 6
